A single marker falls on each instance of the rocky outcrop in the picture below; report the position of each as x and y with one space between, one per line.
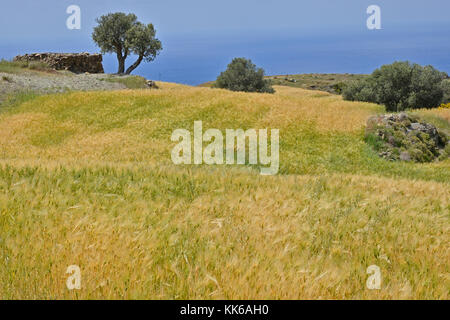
75 62
405 137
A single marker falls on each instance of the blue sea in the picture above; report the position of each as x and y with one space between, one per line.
196 58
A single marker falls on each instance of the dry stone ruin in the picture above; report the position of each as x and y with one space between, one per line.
75 62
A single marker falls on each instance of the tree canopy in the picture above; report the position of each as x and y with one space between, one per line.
242 75
123 35
400 86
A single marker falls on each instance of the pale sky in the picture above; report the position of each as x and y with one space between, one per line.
45 19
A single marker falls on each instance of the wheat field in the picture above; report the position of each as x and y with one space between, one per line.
86 179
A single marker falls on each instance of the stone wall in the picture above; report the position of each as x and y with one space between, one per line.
75 62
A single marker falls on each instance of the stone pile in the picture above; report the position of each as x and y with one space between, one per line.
75 62
405 137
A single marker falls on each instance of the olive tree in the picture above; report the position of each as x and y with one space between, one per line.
123 35
242 75
400 86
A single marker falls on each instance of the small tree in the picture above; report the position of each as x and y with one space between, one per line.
400 86
242 75
123 35
446 88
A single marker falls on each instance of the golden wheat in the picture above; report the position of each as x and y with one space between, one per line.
86 179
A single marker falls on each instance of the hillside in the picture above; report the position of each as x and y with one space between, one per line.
37 78
329 82
86 178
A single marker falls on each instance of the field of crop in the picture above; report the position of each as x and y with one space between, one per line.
86 179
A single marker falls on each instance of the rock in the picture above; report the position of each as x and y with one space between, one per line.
75 62
405 137
402 116
152 84
417 126
391 140
405 156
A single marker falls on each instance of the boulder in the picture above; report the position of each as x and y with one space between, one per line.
152 84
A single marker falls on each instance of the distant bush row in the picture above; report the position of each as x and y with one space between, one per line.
400 86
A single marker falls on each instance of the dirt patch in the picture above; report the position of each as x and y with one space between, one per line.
57 82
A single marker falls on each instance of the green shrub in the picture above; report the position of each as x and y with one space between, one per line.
359 90
338 87
446 88
400 86
242 75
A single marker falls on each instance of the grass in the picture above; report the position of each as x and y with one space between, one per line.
15 99
131 82
11 66
22 66
438 117
86 178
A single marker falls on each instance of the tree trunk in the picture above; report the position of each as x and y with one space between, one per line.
121 60
134 65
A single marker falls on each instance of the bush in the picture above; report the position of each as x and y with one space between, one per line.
446 89
360 90
242 75
400 86
338 87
